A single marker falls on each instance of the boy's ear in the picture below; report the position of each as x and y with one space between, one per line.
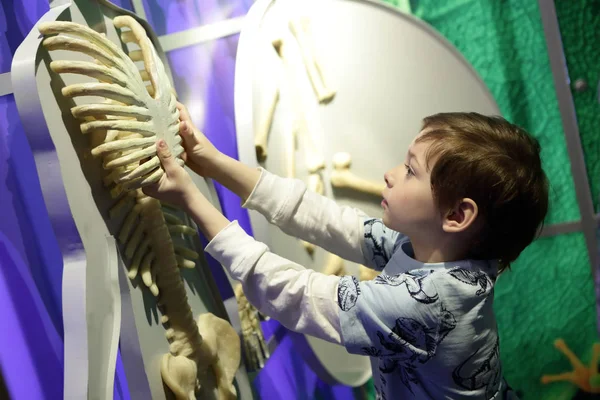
461 217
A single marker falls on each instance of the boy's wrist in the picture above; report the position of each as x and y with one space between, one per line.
191 196
214 167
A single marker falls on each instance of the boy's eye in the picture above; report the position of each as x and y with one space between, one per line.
408 170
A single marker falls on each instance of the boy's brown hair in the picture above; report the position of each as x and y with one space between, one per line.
497 165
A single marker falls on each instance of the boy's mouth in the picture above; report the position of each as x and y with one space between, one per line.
384 203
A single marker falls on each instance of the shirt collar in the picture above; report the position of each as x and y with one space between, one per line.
402 261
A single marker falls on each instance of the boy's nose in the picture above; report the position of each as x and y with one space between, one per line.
386 178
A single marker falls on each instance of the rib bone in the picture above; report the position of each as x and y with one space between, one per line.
290 153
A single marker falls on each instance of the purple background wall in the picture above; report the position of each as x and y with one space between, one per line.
30 261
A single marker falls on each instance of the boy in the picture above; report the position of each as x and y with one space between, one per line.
469 198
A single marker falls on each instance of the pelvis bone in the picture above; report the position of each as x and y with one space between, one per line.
134 115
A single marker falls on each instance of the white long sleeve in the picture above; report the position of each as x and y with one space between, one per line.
317 219
301 299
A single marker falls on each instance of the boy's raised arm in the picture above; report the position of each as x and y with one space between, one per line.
285 202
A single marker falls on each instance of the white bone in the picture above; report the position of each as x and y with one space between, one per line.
257 351
334 265
172 219
82 46
313 69
128 37
266 120
135 240
315 183
184 263
132 157
92 70
144 75
187 253
313 158
86 41
123 203
142 127
128 224
108 90
145 272
116 191
140 252
290 153
100 110
341 177
182 229
367 274
136 55
221 352
141 171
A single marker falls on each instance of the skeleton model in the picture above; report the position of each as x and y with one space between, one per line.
140 107
255 346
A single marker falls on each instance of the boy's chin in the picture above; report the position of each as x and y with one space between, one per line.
390 224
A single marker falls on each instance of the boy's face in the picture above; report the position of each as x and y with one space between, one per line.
408 204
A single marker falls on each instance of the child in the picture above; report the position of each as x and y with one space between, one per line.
469 198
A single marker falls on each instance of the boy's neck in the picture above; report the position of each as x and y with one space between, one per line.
437 251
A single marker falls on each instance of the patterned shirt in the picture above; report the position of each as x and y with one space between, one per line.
429 329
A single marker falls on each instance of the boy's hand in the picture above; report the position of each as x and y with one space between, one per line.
200 155
175 185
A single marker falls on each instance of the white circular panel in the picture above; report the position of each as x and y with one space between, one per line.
389 71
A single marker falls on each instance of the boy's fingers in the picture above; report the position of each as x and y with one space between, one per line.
187 133
184 115
165 156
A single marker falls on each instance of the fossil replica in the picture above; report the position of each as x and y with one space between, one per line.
341 177
334 265
290 152
262 132
255 346
140 108
314 160
301 31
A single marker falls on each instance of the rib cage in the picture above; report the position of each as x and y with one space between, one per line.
133 116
